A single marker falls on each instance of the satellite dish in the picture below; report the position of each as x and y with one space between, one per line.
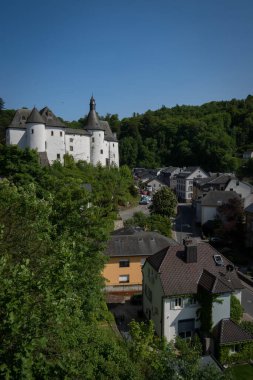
230 268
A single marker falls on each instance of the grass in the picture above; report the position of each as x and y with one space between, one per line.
242 372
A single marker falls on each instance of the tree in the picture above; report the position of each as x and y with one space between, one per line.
236 309
164 203
154 222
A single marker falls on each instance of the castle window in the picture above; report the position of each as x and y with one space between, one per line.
32 131
58 156
71 148
52 133
45 145
101 151
71 140
93 139
113 144
60 133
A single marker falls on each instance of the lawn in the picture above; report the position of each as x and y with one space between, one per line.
242 372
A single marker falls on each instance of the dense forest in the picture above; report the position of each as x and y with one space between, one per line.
213 135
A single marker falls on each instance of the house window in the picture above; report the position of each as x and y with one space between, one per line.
45 145
112 144
124 263
61 134
124 278
71 140
32 131
186 328
101 151
71 148
58 156
52 133
177 303
93 139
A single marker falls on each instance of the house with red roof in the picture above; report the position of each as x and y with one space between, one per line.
187 290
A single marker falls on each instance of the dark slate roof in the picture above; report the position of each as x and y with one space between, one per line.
76 131
216 198
229 332
20 118
50 119
214 284
137 243
249 208
179 277
109 136
93 122
35 117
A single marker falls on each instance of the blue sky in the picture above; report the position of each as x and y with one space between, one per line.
133 55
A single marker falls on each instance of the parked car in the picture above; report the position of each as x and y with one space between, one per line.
143 202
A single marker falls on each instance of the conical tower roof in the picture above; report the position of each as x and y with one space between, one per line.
35 117
93 122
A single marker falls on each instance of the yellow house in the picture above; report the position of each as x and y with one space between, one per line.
128 249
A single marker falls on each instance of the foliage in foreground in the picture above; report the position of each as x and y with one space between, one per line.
159 360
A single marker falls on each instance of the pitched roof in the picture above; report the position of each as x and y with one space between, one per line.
35 117
109 136
217 197
77 131
137 243
229 332
50 119
179 277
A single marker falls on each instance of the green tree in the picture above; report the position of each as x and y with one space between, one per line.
164 203
236 309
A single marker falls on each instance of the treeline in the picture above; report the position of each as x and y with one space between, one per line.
213 135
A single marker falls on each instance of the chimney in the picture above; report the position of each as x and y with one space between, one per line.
191 255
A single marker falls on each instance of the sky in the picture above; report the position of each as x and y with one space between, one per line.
132 55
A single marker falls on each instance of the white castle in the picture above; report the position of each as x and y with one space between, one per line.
43 131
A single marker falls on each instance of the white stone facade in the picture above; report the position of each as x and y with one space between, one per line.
44 132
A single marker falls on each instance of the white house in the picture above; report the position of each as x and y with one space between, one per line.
44 132
184 188
206 208
243 189
173 280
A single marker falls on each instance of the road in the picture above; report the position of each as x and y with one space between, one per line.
184 224
247 300
128 213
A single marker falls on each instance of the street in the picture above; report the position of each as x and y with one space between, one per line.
184 224
128 213
247 300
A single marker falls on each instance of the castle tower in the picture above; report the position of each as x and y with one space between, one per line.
36 133
98 153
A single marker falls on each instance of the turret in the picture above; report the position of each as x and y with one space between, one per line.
97 129
36 134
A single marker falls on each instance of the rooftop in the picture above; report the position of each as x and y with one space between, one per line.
179 277
136 242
